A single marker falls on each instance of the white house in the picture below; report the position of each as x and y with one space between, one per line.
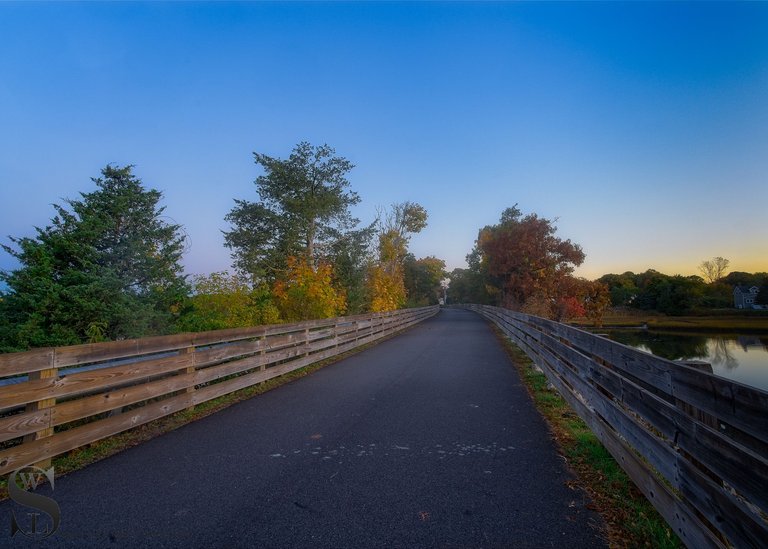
744 297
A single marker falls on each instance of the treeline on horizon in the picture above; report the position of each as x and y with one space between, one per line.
678 294
107 266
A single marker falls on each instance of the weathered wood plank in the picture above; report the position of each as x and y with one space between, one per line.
46 448
219 353
657 451
742 527
24 423
25 454
741 406
91 380
25 362
80 408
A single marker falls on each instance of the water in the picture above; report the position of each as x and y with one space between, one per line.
742 358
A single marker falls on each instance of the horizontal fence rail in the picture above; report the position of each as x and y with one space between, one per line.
57 399
694 443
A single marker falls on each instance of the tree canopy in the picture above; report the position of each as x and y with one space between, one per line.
302 211
423 280
524 259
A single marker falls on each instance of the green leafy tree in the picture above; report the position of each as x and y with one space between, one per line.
468 286
302 211
717 295
107 267
352 255
674 295
762 296
423 278
622 288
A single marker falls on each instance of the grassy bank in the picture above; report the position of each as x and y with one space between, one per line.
630 519
745 323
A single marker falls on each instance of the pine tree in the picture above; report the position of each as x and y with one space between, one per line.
107 267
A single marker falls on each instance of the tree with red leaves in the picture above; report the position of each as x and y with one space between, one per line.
525 260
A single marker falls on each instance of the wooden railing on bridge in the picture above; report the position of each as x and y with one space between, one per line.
694 443
54 400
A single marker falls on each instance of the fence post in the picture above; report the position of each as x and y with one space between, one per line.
189 353
336 335
263 352
42 405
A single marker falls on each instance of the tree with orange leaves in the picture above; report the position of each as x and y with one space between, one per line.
524 259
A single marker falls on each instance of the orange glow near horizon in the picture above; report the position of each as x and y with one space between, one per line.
594 270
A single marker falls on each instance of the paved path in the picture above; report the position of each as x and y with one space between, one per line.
426 440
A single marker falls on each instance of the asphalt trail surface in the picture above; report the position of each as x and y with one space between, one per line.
426 440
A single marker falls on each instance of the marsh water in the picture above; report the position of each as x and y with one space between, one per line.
742 358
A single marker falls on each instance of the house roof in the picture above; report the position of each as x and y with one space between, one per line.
746 289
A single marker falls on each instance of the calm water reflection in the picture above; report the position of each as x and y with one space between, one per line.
742 358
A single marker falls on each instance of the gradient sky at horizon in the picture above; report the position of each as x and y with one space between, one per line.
641 127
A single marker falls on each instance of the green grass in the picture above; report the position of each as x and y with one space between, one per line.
630 519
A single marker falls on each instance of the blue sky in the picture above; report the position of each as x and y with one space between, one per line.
642 127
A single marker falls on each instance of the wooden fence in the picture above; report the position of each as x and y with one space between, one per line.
694 443
57 399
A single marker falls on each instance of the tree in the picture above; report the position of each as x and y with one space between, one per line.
718 295
307 292
352 255
523 258
674 295
762 295
223 300
303 210
107 267
386 279
714 269
622 288
387 291
423 278
597 299
467 286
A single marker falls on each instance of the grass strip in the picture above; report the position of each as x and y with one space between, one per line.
631 521
96 451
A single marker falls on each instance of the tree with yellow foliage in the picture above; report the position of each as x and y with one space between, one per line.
386 279
307 293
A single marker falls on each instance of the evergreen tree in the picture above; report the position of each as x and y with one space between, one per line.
107 267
